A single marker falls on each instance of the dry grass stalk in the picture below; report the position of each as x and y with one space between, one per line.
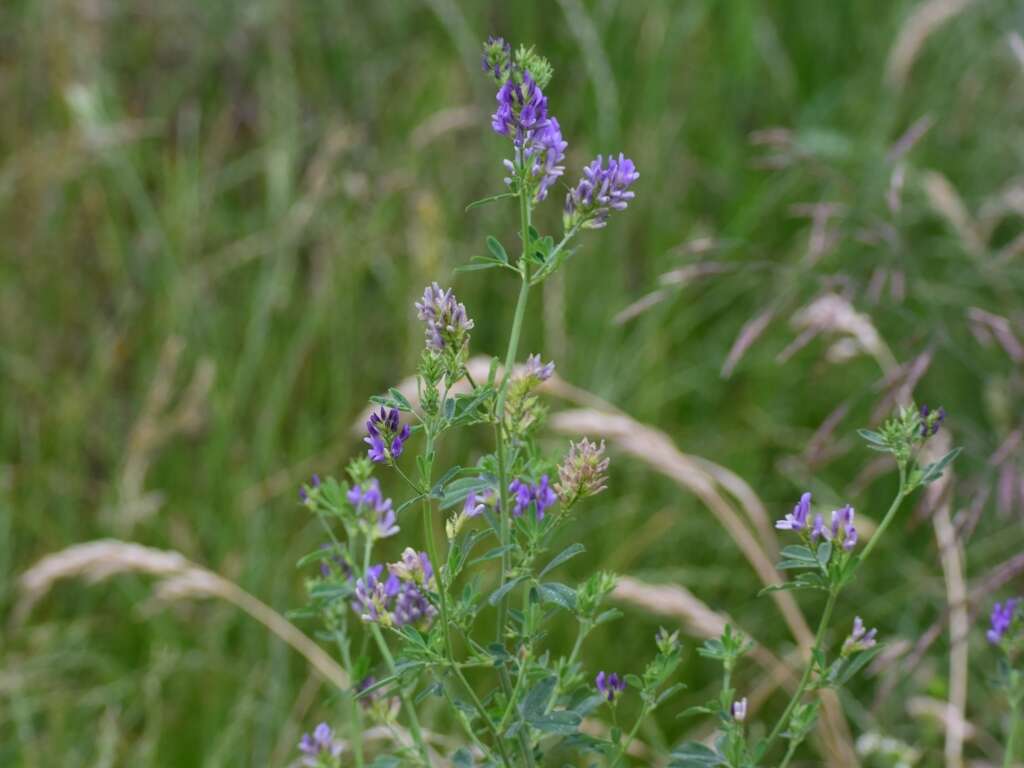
946 201
922 23
749 333
180 579
938 497
158 422
832 313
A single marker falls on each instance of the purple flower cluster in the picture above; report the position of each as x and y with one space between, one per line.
477 500
314 484
368 498
602 189
319 748
536 370
384 436
1002 619
448 325
398 600
540 494
841 529
537 142
861 638
496 59
337 560
610 685
931 420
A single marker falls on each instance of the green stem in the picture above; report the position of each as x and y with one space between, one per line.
900 495
789 753
410 710
1011 737
510 359
829 606
818 639
442 591
355 709
632 735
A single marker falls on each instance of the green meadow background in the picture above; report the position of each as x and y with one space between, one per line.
215 217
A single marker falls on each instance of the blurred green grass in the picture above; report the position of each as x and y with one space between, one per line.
272 183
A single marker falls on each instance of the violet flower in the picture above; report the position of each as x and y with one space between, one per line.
384 436
411 606
1002 619
496 59
739 710
368 497
931 420
543 496
610 685
415 567
536 370
448 324
538 146
842 523
861 638
841 529
319 748
540 495
600 191
373 596
797 519
522 495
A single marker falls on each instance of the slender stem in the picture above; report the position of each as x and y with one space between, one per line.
900 495
355 709
1011 737
510 359
789 753
442 591
632 735
818 639
520 679
410 710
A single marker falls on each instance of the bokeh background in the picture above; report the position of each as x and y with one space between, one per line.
214 218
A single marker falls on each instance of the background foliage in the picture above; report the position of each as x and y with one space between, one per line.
215 219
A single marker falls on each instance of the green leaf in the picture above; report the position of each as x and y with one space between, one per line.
563 722
873 437
535 702
856 664
497 250
458 490
798 552
491 199
462 758
824 554
559 594
693 754
566 554
476 264
934 471
504 589
691 711
493 554
402 401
